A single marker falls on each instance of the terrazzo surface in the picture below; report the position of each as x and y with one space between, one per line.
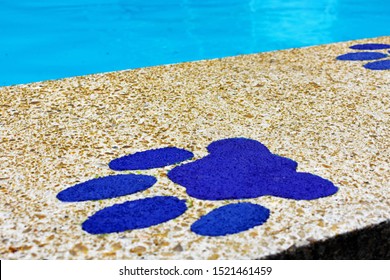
330 116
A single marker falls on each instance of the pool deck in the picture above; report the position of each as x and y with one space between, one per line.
330 116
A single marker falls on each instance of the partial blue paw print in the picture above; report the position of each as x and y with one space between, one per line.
365 52
235 168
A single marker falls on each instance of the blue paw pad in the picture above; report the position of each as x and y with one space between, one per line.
362 56
238 168
151 159
107 187
378 65
231 219
136 214
370 46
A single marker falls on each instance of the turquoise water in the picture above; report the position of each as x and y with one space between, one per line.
50 39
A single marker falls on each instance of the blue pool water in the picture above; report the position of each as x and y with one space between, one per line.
50 39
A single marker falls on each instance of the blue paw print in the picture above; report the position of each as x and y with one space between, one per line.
367 53
236 168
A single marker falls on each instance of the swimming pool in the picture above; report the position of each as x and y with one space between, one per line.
50 39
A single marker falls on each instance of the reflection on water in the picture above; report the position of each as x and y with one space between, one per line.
49 39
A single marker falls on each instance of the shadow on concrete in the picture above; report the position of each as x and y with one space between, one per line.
370 243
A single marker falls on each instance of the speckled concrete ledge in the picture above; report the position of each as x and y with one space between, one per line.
330 116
